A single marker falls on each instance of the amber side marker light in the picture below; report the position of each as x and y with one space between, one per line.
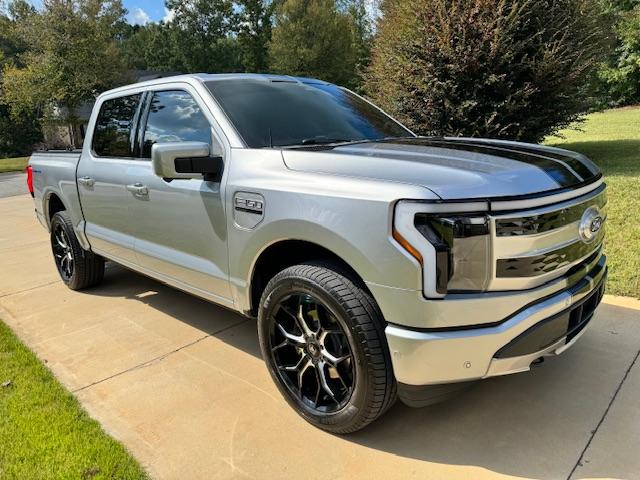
407 246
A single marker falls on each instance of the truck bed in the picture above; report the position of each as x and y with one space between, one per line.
54 180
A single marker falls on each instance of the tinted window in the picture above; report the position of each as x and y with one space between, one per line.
286 113
174 116
113 132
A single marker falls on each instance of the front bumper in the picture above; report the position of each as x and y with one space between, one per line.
544 328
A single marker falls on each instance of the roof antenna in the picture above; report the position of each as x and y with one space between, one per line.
270 139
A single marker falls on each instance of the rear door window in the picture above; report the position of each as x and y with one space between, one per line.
174 116
115 127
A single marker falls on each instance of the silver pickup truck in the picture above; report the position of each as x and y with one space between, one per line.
378 263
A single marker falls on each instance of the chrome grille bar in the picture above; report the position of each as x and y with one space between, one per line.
535 246
533 224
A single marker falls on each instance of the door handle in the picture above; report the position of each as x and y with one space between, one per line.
138 189
86 181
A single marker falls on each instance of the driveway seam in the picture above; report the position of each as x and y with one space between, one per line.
604 415
29 289
159 358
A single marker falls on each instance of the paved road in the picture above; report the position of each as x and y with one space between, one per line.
181 383
13 183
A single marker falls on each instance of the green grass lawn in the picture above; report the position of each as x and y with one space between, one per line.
44 433
612 140
17 164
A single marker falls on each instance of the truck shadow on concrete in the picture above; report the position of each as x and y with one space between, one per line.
532 425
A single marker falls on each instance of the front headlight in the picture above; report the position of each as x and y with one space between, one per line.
455 247
463 247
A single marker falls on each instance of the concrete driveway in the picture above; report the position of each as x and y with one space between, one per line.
13 183
181 383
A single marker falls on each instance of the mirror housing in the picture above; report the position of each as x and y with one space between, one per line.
184 160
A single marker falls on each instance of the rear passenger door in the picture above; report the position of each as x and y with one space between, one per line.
103 171
181 231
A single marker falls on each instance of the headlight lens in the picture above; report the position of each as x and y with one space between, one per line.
463 250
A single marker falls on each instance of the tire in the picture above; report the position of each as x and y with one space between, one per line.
345 324
78 268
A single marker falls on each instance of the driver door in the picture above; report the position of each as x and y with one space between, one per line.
181 232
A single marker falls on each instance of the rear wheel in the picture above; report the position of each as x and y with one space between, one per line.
322 338
77 267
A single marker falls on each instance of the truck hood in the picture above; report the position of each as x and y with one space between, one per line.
452 168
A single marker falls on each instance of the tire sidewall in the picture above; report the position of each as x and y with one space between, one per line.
59 219
275 292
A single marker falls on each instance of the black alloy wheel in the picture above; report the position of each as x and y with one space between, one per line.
311 353
62 252
78 268
322 337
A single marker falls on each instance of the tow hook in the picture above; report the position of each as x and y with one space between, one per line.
537 362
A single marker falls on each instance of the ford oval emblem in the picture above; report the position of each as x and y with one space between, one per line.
590 224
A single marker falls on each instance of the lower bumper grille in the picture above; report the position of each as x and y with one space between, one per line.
581 315
568 323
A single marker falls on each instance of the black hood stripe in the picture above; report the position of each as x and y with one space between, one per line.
561 173
530 156
583 170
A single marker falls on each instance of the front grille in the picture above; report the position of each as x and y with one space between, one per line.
531 225
535 246
547 262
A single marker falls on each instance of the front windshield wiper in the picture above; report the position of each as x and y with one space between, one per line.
322 140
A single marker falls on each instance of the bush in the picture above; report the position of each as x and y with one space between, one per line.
619 78
494 68
18 135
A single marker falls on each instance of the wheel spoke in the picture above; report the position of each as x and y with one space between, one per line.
61 243
323 381
333 360
312 338
290 337
302 323
292 368
318 389
337 372
298 319
61 238
70 263
306 364
63 265
322 338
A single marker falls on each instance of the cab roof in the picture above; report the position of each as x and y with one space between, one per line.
211 77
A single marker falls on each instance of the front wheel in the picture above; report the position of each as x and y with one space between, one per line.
322 338
78 268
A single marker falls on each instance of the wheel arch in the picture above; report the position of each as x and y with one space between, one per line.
52 205
285 253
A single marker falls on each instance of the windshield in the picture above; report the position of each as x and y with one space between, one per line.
286 113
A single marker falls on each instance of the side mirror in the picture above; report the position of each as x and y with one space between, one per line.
185 160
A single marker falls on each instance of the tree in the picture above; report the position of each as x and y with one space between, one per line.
313 38
361 36
72 56
619 77
17 135
203 35
499 68
152 47
254 32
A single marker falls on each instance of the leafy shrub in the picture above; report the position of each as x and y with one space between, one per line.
497 68
619 78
